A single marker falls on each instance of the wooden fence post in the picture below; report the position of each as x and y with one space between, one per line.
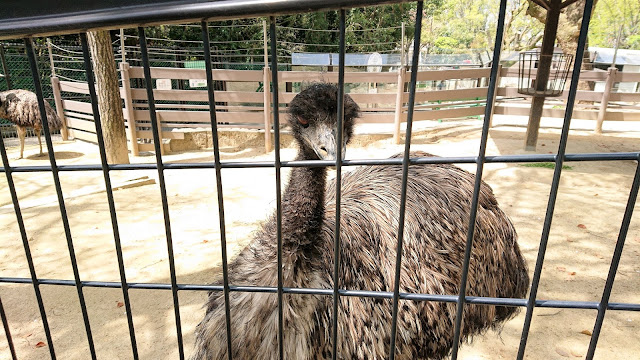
128 110
611 77
399 114
267 109
57 97
495 95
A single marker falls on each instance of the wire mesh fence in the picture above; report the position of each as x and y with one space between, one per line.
461 300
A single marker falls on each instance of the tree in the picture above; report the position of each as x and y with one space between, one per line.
458 25
109 101
613 18
521 32
562 21
568 25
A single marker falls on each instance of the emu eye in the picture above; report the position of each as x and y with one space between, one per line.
303 122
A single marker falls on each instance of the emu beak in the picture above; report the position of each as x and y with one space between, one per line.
323 143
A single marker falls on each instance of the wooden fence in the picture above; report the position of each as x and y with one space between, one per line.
244 102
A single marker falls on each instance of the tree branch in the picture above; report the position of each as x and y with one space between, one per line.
567 3
542 3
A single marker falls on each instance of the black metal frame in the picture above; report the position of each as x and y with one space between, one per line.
240 9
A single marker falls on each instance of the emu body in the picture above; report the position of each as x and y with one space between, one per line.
436 221
21 108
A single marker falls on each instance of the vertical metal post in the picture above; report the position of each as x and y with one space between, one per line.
575 76
276 128
339 143
107 180
163 188
493 84
56 179
216 155
622 235
7 331
405 174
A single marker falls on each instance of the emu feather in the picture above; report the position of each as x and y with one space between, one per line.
21 108
437 215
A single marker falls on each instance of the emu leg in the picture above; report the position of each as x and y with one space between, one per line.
22 131
38 131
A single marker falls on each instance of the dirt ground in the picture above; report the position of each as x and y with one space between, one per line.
587 219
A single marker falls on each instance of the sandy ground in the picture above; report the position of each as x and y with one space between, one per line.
588 215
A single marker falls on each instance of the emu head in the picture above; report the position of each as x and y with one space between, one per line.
5 98
313 119
3 104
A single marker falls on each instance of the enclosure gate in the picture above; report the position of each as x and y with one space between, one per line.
24 27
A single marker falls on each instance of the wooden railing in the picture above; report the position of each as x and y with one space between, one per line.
241 105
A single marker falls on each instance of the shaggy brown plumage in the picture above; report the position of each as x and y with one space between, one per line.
437 213
21 108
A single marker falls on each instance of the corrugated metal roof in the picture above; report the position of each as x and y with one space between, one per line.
624 56
326 59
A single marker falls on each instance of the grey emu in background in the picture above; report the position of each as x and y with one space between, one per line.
437 215
21 108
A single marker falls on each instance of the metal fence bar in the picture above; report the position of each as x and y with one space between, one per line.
620 156
556 177
560 304
478 179
163 12
7 331
339 136
107 181
613 269
27 249
405 176
216 155
336 292
276 139
56 179
163 189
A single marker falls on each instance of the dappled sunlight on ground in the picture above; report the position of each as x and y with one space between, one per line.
585 227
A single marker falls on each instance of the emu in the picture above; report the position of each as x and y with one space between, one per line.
21 108
437 215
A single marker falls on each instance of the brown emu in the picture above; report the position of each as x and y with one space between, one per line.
437 213
21 108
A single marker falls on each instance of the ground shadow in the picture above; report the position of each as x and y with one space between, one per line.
60 155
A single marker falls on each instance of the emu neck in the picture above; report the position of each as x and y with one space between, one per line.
303 205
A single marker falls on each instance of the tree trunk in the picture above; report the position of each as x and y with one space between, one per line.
544 67
568 31
109 101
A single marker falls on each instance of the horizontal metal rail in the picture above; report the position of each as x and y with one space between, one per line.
620 156
479 300
68 17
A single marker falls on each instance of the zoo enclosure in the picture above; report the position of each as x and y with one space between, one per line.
239 107
183 103
140 14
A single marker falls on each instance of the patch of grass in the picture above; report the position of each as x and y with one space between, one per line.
547 165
